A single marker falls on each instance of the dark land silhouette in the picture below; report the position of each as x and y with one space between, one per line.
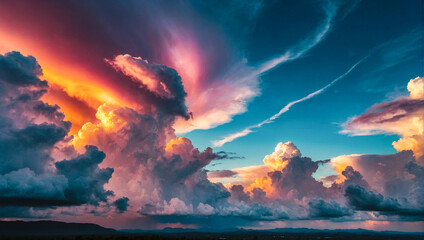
53 230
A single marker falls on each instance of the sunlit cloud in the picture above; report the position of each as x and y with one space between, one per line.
402 116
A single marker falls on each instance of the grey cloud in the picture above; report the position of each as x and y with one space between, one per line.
85 178
362 199
31 131
318 208
296 179
221 174
17 69
121 204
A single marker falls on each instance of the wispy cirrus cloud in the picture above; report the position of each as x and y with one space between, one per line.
246 131
240 84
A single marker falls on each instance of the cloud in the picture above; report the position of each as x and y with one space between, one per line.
158 79
85 178
164 174
361 199
33 143
19 70
24 187
121 204
240 84
29 147
221 174
385 173
319 208
402 116
283 152
388 186
131 141
296 181
217 77
417 189
246 131
78 181
353 177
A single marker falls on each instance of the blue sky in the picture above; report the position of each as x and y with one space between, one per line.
389 32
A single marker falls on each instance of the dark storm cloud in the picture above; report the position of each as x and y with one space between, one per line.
85 178
25 188
361 199
121 204
19 70
23 212
28 147
318 208
31 133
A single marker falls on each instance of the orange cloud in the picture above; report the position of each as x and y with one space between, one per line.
252 177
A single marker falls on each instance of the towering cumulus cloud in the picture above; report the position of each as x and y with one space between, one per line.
33 143
163 174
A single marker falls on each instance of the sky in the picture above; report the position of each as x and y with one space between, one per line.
218 114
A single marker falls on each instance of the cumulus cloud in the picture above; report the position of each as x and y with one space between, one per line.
166 172
24 187
319 208
19 70
296 180
389 186
385 173
121 204
85 178
283 152
362 199
402 116
33 139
